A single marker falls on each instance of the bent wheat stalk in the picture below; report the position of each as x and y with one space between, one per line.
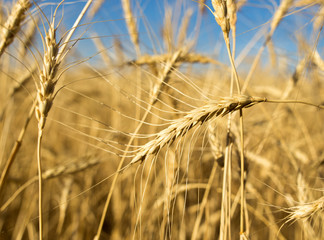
225 15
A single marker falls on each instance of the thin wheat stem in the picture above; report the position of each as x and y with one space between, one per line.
54 54
226 200
204 201
16 147
113 184
40 192
241 135
62 52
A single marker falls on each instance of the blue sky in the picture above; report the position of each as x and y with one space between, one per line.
252 18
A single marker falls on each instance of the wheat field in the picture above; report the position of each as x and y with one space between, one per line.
147 119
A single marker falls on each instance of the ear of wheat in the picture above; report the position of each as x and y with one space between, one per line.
45 89
13 23
196 117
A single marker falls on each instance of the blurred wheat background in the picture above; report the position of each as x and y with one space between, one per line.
147 119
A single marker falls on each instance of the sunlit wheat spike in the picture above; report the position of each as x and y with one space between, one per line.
240 4
164 75
318 61
198 58
215 145
45 89
301 3
214 141
72 167
95 8
167 30
279 14
306 210
232 9
13 23
194 118
221 15
69 168
184 27
131 22
184 58
319 19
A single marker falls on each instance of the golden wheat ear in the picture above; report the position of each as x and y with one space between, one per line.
194 118
13 23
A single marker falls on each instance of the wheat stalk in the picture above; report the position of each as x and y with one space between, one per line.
54 54
225 16
16 148
218 155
